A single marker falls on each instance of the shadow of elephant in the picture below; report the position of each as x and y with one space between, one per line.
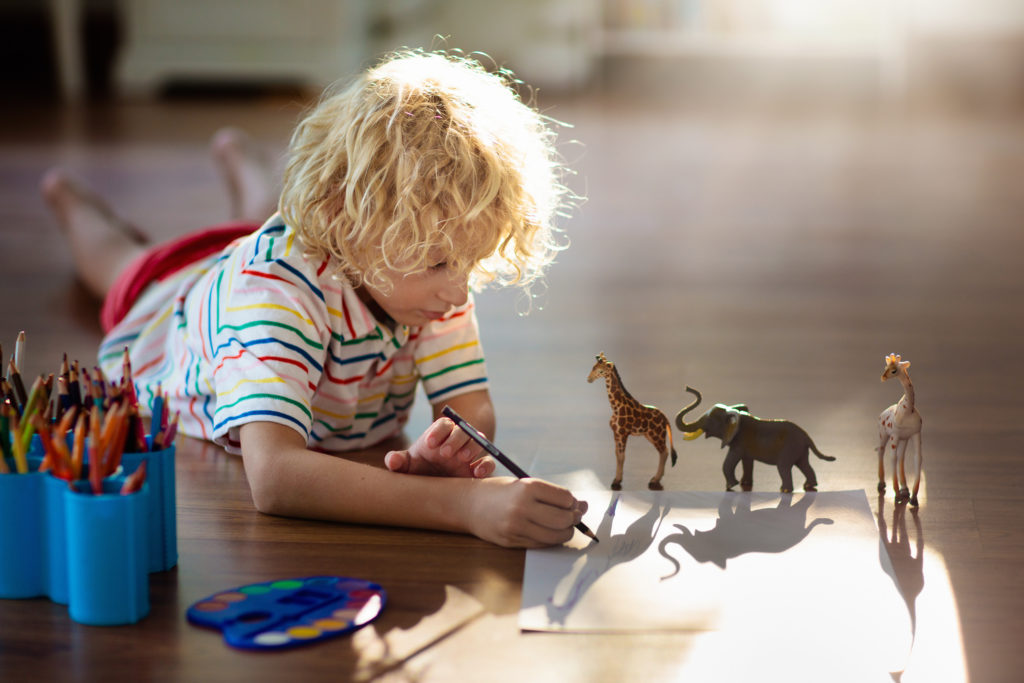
740 530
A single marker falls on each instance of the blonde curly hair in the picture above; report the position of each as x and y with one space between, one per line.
426 154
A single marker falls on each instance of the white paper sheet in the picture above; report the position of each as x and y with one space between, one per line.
798 577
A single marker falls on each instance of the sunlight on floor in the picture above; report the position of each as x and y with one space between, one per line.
920 641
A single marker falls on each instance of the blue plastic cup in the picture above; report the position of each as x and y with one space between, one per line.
23 542
163 512
108 567
54 489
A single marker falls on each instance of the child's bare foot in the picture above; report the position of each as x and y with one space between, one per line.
248 173
102 243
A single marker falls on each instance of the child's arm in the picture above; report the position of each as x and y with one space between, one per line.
444 449
287 479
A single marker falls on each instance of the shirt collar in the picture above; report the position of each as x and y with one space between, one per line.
363 323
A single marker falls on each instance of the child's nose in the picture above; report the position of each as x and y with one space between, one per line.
456 292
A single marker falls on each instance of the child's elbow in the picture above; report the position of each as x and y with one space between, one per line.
264 486
265 499
269 453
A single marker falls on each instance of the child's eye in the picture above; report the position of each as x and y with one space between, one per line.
439 266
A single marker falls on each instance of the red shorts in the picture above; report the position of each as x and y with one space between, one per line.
164 260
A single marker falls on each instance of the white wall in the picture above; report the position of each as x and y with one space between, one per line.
952 17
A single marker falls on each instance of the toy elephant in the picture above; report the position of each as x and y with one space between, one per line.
776 442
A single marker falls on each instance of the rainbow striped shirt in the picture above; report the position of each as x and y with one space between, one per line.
261 333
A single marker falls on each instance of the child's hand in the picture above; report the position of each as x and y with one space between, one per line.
442 450
523 513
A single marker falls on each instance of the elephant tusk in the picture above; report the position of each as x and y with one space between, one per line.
690 436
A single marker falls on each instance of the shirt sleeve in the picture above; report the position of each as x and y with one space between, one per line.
449 356
266 323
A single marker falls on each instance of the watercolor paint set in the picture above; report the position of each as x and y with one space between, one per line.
281 614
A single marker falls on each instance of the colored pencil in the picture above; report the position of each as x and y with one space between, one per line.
102 418
29 410
7 390
133 482
5 438
78 446
14 379
19 352
54 459
167 438
20 461
74 386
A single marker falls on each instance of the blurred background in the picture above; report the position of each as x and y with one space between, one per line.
968 51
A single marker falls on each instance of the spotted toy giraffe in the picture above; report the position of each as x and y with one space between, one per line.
897 425
630 417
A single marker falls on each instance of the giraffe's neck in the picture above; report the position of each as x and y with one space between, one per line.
616 392
908 393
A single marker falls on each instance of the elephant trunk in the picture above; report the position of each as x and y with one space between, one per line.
690 427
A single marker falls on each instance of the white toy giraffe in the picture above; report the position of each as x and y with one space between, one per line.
897 425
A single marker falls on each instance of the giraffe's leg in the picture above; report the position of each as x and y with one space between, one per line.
893 443
901 453
883 440
920 463
657 438
620 458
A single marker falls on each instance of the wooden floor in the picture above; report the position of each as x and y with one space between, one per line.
769 254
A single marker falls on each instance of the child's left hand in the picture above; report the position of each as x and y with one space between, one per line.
442 450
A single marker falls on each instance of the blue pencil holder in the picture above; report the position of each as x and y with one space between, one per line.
163 514
54 489
56 538
108 552
23 541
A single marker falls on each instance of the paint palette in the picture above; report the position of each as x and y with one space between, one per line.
289 612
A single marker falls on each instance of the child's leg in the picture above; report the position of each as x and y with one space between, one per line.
248 173
102 243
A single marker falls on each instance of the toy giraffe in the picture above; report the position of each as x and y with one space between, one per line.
897 425
630 417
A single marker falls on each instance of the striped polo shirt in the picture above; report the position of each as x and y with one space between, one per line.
259 332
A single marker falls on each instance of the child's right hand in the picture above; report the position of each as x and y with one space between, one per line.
523 513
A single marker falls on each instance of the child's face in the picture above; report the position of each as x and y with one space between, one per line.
416 300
